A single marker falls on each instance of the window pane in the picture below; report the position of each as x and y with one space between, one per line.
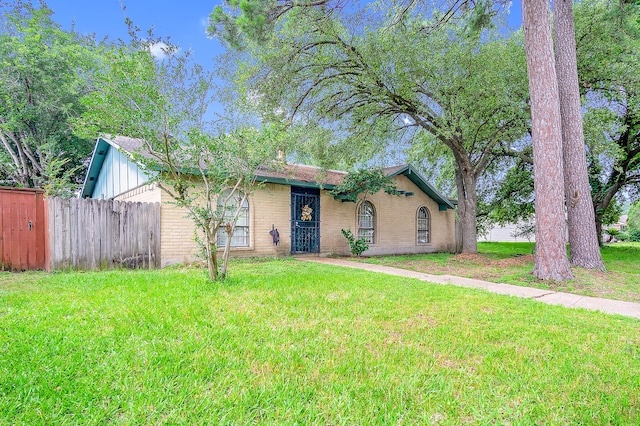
366 234
422 226
366 222
240 237
243 219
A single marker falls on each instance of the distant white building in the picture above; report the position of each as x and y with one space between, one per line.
509 232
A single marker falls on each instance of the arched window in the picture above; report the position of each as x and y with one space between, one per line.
366 222
240 237
423 226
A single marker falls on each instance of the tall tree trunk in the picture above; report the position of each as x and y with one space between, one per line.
583 238
551 260
599 228
211 253
602 200
467 205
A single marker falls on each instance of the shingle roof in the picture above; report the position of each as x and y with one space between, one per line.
288 174
303 173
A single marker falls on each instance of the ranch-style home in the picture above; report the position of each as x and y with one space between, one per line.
294 201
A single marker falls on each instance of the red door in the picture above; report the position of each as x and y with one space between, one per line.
22 229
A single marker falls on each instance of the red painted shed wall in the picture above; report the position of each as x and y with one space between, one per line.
22 229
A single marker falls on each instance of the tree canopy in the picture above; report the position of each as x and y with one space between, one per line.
608 48
44 72
371 82
195 158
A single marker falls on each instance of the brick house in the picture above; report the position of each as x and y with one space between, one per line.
420 220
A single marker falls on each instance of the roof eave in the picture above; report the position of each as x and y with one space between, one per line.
95 165
420 182
293 182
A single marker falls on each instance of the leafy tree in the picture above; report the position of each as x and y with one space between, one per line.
510 199
634 216
165 103
551 261
391 81
44 72
608 46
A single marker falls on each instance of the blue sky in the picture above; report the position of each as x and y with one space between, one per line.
184 21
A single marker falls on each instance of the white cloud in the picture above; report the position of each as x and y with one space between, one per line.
161 49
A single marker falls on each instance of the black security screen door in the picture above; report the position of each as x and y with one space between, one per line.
305 220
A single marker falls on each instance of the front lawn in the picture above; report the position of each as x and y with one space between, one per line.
285 342
512 263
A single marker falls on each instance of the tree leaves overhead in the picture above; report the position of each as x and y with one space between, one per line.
608 52
364 183
191 155
374 82
44 71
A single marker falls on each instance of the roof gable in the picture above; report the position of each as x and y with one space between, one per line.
410 172
287 174
100 153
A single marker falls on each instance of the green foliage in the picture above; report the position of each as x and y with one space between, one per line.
634 222
634 216
364 182
377 85
612 213
613 232
44 71
510 199
608 46
164 102
358 246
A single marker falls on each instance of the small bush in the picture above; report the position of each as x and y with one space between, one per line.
634 235
623 236
613 232
358 246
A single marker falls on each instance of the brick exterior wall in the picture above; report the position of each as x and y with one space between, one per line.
269 206
395 223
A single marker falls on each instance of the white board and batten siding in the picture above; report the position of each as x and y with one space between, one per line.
118 175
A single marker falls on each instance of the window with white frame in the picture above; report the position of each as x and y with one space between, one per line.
366 222
423 226
228 202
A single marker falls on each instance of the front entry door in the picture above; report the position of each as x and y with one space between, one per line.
305 220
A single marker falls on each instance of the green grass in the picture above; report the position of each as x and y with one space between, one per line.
512 263
283 342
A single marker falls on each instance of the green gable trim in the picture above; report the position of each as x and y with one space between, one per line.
420 182
293 182
104 145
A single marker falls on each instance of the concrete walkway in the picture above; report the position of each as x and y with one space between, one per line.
569 300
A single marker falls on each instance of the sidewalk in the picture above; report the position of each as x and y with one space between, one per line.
569 300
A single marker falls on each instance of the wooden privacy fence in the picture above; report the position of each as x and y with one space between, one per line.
103 234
